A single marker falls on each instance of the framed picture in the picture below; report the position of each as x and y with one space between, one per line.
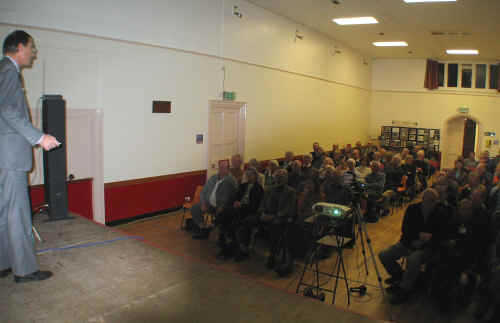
412 137
420 138
403 133
412 131
403 143
395 135
421 132
396 143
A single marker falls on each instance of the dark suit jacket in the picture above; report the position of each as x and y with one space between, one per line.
254 198
17 134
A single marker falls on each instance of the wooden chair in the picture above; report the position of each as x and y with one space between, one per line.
189 204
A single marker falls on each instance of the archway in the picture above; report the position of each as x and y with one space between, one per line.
452 138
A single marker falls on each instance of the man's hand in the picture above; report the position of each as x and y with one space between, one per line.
49 142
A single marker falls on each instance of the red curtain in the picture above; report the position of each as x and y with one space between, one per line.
431 75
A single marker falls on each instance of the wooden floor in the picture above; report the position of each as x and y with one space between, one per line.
163 232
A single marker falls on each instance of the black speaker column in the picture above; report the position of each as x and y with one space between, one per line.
54 161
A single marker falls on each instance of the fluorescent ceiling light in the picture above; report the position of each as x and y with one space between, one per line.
390 43
417 1
355 21
462 51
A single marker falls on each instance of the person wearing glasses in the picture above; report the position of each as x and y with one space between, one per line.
17 137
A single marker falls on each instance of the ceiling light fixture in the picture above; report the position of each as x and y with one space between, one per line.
355 21
390 43
420 1
462 52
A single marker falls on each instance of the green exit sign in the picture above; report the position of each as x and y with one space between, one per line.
230 96
463 110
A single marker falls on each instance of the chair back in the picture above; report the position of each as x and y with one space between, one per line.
197 194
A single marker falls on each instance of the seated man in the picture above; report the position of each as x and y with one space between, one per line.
270 173
215 196
421 230
235 169
332 189
245 203
287 162
295 177
278 210
375 182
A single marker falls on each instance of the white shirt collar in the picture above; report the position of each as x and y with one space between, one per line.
13 61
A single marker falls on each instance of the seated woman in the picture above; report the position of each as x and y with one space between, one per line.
245 203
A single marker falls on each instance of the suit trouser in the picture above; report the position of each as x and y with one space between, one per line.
414 258
17 249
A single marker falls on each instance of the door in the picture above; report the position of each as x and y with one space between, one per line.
226 132
453 142
469 137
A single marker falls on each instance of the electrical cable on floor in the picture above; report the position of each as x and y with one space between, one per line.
90 244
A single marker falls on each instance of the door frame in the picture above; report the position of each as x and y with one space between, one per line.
231 106
444 135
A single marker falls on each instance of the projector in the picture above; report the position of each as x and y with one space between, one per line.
331 209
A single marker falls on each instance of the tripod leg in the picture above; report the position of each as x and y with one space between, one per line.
358 220
344 271
384 295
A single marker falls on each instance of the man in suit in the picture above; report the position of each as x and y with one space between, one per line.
17 136
215 197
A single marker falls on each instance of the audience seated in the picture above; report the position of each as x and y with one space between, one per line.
411 173
457 242
333 190
261 178
235 169
306 165
422 168
470 162
271 170
485 177
349 175
375 182
421 232
214 198
278 210
460 174
245 203
362 170
295 177
287 161
317 156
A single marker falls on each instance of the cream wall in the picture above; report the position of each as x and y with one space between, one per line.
118 61
398 94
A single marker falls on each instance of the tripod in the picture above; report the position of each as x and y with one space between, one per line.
363 235
328 234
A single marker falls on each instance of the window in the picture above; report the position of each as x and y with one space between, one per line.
452 75
440 74
493 76
466 76
480 76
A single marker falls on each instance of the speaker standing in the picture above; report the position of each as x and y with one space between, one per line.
17 136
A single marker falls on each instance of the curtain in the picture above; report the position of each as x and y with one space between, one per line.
431 75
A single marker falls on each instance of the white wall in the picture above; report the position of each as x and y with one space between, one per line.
118 56
398 94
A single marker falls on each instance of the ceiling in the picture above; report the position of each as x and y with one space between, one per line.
465 24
